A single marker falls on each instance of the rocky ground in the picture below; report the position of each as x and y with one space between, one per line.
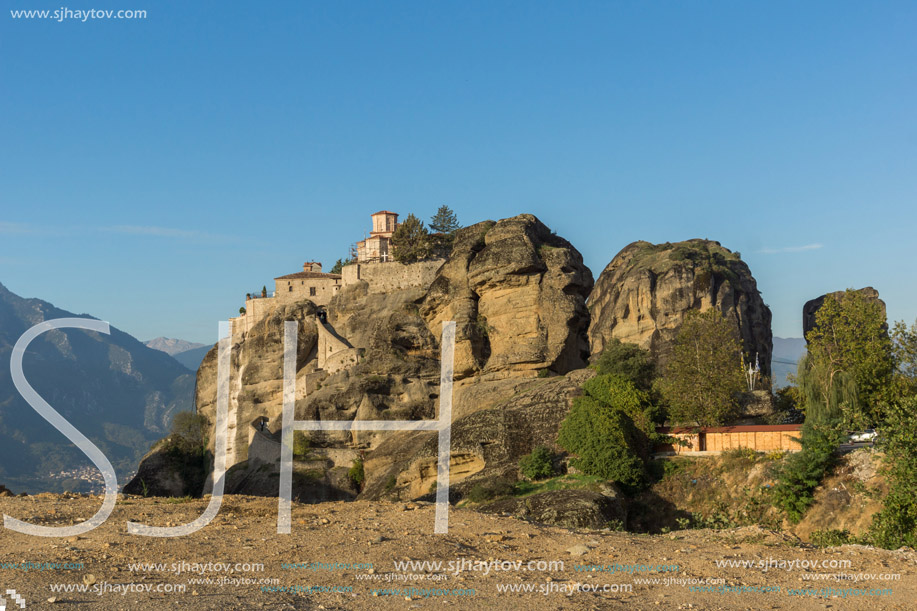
383 533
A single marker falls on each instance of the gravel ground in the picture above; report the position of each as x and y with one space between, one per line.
357 546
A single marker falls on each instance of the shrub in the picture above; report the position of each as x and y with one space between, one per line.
539 464
896 524
610 429
356 473
802 471
831 538
300 444
486 491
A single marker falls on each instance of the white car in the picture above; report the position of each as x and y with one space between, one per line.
863 436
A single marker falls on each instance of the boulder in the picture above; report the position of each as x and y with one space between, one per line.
579 509
644 293
166 471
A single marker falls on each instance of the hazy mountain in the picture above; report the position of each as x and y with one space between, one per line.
785 358
171 346
192 358
114 389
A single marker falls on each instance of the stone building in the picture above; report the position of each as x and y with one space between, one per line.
377 247
309 284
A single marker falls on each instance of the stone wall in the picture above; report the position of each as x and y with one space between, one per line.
255 310
391 275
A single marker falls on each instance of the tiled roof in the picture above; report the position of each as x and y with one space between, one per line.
304 275
384 212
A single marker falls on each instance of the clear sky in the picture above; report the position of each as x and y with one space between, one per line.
153 171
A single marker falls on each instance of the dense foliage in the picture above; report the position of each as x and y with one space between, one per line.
539 464
610 430
411 241
896 524
704 378
802 471
850 336
339 265
629 361
189 433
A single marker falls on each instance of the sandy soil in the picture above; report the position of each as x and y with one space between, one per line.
381 534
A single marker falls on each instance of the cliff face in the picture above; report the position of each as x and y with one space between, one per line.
812 306
642 297
518 295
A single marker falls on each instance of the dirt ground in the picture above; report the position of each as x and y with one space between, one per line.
343 555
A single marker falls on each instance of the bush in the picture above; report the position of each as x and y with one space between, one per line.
896 524
300 444
486 491
798 477
610 429
831 538
539 464
356 473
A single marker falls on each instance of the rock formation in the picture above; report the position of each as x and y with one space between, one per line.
518 295
811 307
642 297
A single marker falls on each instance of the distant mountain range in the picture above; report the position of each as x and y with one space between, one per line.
187 353
171 346
785 358
114 389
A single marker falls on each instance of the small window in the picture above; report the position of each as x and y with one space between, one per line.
311 291
290 288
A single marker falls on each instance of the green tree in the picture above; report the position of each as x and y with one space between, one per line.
826 394
850 335
704 378
339 265
444 224
411 241
629 361
444 221
610 430
904 350
896 524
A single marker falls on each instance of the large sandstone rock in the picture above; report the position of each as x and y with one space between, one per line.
518 295
812 306
256 375
643 295
486 444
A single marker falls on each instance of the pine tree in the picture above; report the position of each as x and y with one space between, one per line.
444 221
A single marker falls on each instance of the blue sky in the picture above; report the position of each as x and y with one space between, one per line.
154 171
